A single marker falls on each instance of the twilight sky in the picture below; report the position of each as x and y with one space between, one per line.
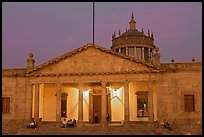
51 29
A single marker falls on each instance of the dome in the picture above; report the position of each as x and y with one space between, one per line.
132 33
134 43
134 38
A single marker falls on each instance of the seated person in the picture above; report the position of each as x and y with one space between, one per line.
64 123
35 125
167 125
107 117
74 122
31 125
96 117
70 123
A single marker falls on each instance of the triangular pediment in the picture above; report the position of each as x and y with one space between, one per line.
91 58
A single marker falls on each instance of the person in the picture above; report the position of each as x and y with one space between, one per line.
96 117
107 117
31 124
70 123
35 124
167 125
64 123
74 122
157 131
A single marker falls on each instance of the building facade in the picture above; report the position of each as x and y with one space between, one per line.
127 83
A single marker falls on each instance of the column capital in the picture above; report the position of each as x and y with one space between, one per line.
58 83
35 83
103 83
80 85
127 81
150 81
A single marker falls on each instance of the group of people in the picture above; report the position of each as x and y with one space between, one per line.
33 125
167 125
69 123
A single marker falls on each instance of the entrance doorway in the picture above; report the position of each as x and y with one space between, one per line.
97 107
64 105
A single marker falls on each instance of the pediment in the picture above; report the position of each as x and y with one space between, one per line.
90 59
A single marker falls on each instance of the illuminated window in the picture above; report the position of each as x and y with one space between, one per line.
5 105
189 104
142 104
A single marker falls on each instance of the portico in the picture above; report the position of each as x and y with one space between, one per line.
118 99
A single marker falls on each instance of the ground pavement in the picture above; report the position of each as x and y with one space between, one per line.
94 129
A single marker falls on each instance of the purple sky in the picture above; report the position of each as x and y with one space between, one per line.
49 30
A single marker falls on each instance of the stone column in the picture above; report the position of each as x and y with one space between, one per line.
152 53
142 53
126 50
29 101
126 103
80 106
150 102
119 50
36 105
58 102
103 105
149 56
90 107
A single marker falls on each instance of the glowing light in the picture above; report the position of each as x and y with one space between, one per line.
115 93
85 94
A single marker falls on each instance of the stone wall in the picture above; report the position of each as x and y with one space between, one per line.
15 88
171 88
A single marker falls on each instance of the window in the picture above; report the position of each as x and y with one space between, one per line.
5 105
146 54
189 104
117 50
131 51
151 54
123 51
142 103
139 53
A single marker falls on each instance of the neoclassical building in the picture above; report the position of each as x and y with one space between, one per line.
126 82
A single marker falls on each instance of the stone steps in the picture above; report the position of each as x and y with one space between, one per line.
52 128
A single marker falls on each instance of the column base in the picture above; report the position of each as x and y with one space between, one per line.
126 123
37 120
151 120
80 124
104 124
